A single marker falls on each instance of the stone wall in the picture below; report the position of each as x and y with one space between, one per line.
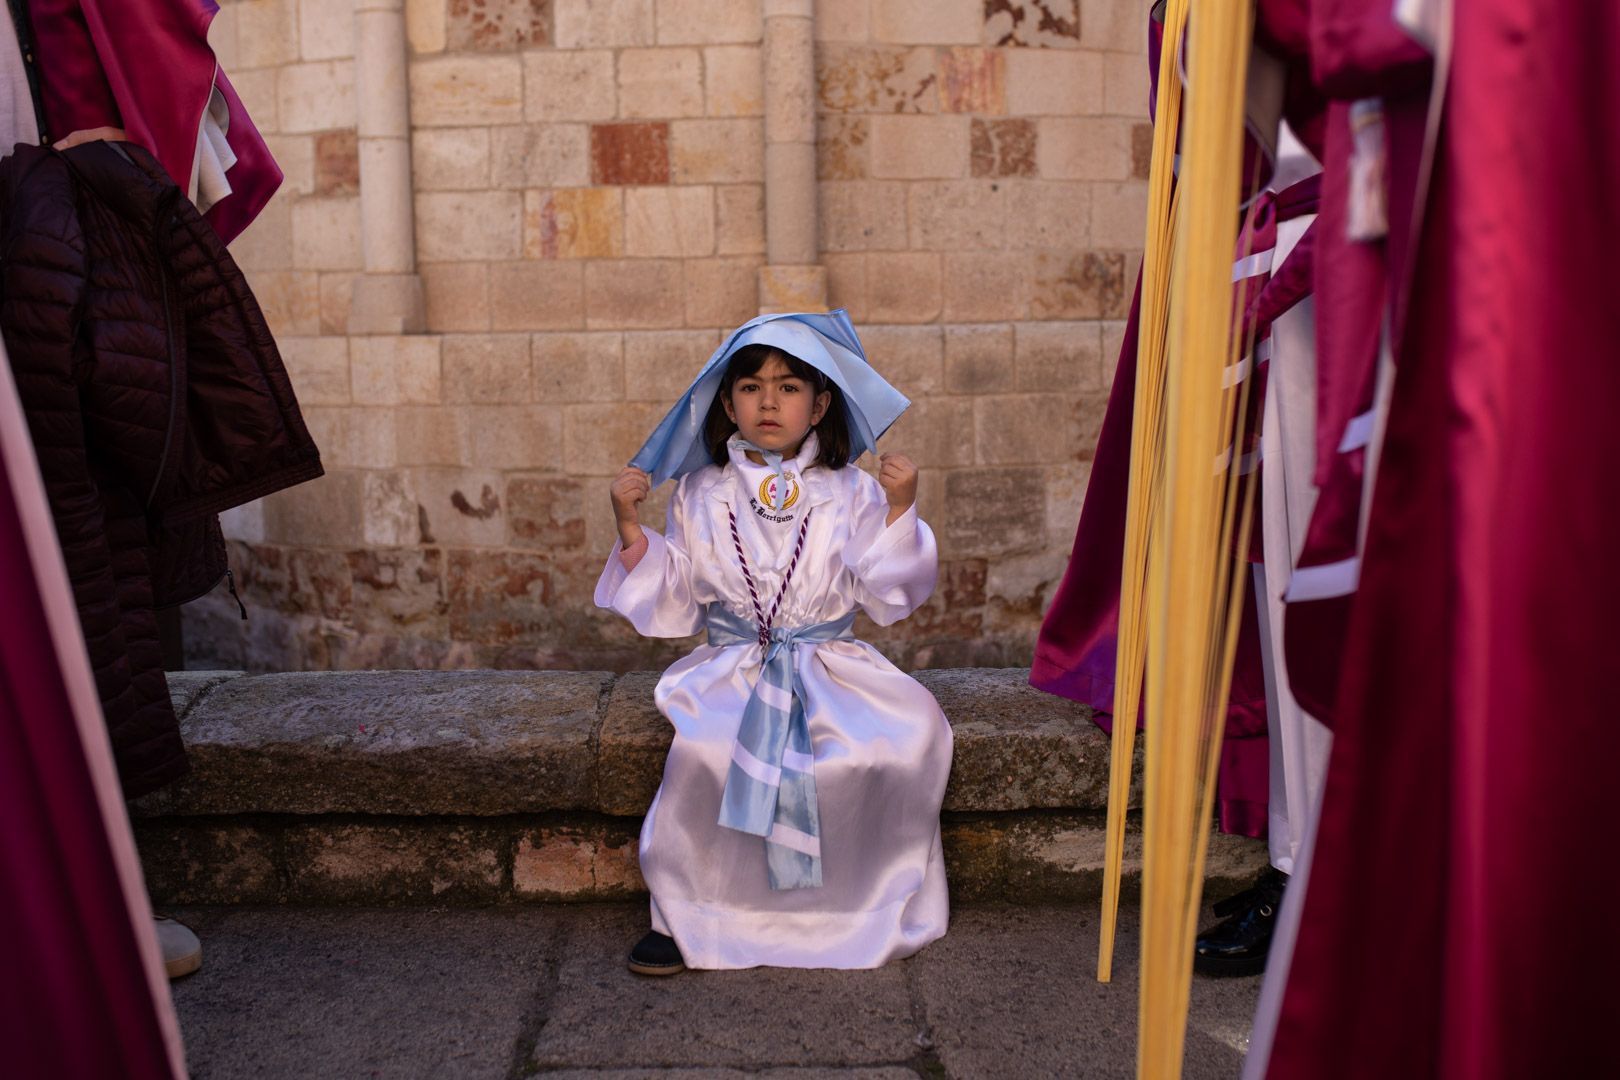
589 219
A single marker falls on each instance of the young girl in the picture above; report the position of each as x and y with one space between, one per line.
798 821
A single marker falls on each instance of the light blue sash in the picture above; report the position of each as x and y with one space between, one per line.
771 785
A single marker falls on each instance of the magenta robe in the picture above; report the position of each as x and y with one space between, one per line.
1459 916
145 66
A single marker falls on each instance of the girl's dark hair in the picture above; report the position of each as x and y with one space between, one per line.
832 433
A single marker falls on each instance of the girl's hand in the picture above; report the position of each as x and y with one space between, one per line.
629 488
898 477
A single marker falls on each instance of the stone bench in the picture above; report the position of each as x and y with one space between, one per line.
467 787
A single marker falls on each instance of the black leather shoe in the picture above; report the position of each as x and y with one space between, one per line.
656 954
1238 946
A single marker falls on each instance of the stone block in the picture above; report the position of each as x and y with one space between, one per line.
541 155
937 433
986 286
361 438
337 163
578 863
326 234
739 219
199 861
877 79
547 512
318 368
709 22
510 600
400 589
245 522
669 222
792 288
587 24
266 244
429 435
956 215
460 507
1048 214
632 743
390 370
1084 148
295 154
1059 356
322 513
1119 215
1077 285
979 359
540 295
862 215
290 300
920 147
266 34
466 91
414 862
733 84
488 25
1141 151
659 365
260 96
326 29
846 283
486 368
660 83
1029 429
599 439
450 159
928 22
843 147
578 367
1002 148
1116 27
1051 24
910 357
457 296
636 153
842 20
717 151
972 80
461 226
337 301
634 294
317 96
722 293
992 512
904 288
1126 83
1048 82
425 25
573 223
568 85
391 521
512 436
1065 493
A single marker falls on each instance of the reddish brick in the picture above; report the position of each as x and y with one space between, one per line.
1044 23
1141 150
547 512
1087 285
499 24
1003 148
337 163
972 81
630 153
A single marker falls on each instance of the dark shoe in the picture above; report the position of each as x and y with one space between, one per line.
1238 946
656 954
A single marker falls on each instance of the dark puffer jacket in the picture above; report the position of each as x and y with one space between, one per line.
155 397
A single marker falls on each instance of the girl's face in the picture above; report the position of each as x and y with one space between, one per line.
775 409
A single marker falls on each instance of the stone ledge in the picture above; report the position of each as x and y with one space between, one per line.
490 743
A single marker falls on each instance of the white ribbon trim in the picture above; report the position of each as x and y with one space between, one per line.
1325 581
1253 265
773 696
789 837
1358 432
763 772
800 763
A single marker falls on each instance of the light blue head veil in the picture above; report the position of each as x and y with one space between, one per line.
825 342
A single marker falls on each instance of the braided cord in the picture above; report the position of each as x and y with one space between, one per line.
763 621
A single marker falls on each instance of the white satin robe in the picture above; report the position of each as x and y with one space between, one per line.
882 745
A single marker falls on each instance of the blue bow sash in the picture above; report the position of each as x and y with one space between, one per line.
771 784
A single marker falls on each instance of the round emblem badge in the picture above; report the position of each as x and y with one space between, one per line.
767 492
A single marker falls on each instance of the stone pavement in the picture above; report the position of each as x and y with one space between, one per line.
518 991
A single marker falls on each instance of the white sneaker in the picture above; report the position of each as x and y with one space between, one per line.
182 952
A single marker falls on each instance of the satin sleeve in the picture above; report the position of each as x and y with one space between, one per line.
656 595
894 566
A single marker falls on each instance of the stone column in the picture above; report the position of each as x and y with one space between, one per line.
793 279
388 297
